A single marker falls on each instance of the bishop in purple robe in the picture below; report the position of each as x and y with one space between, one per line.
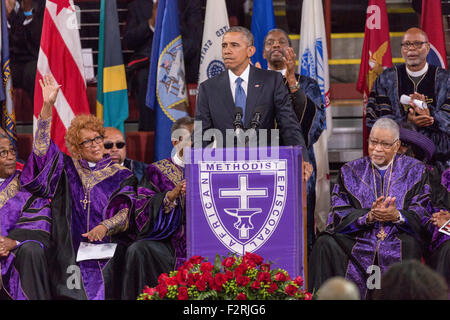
91 201
378 215
161 245
25 222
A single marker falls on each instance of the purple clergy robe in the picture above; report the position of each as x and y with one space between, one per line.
82 198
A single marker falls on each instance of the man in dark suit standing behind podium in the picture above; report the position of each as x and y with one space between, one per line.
252 89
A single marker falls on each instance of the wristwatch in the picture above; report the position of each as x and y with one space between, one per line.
296 86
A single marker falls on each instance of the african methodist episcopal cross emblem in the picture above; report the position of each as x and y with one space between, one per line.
243 201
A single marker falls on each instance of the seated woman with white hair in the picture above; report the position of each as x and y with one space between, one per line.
378 213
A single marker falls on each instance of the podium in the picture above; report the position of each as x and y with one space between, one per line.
247 200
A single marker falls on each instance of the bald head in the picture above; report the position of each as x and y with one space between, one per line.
415 48
114 143
338 288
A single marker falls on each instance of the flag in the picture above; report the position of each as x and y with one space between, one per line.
216 24
166 92
263 20
112 94
431 22
376 54
313 62
60 56
7 116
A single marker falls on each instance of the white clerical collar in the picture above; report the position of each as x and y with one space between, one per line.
2 180
244 75
282 71
419 73
178 161
384 167
91 164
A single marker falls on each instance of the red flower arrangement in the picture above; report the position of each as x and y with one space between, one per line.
233 278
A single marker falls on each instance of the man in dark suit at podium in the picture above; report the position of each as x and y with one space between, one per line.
260 94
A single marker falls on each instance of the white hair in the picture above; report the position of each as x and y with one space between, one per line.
387 123
338 288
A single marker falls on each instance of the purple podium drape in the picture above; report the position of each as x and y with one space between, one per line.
246 200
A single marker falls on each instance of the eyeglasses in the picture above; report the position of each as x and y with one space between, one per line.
384 145
89 142
110 145
271 42
415 44
4 153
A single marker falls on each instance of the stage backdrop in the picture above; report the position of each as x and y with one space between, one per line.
236 204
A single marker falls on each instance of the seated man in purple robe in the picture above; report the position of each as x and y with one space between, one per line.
162 246
91 202
378 213
25 222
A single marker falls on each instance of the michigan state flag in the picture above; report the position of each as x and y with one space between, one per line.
8 119
112 95
166 92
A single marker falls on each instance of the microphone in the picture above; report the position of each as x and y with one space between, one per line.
237 123
256 120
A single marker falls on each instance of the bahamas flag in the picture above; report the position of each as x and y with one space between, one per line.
166 92
112 94
263 20
7 111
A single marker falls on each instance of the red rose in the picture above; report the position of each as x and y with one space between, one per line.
228 262
280 276
253 257
256 285
188 265
298 281
241 296
192 278
220 279
265 267
273 287
182 276
308 296
149 291
206 267
241 269
172 281
242 281
229 274
201 284
196 259
291 290
263 276
183 293
162 290
163 277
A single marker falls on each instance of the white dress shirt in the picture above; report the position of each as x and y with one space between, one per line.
244 83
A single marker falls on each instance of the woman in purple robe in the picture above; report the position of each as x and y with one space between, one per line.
91 201
378 214
25 222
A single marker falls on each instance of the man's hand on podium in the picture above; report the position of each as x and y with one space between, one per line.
307 170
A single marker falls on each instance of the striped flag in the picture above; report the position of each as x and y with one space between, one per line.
7 113
263 20
112 94
431 22
216 24
376 55
313 62
60 56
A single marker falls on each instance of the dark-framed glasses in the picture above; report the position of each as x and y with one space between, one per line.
110 145
89 142
384 145
414 44
4 153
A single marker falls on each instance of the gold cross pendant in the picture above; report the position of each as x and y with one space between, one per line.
85 201
382 235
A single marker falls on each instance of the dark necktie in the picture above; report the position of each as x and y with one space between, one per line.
240 97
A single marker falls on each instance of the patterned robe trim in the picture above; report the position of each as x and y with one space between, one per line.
91 178
118 223
172 172
169 205
10 191
42 141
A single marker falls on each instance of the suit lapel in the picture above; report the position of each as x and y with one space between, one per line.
254 90
224 87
